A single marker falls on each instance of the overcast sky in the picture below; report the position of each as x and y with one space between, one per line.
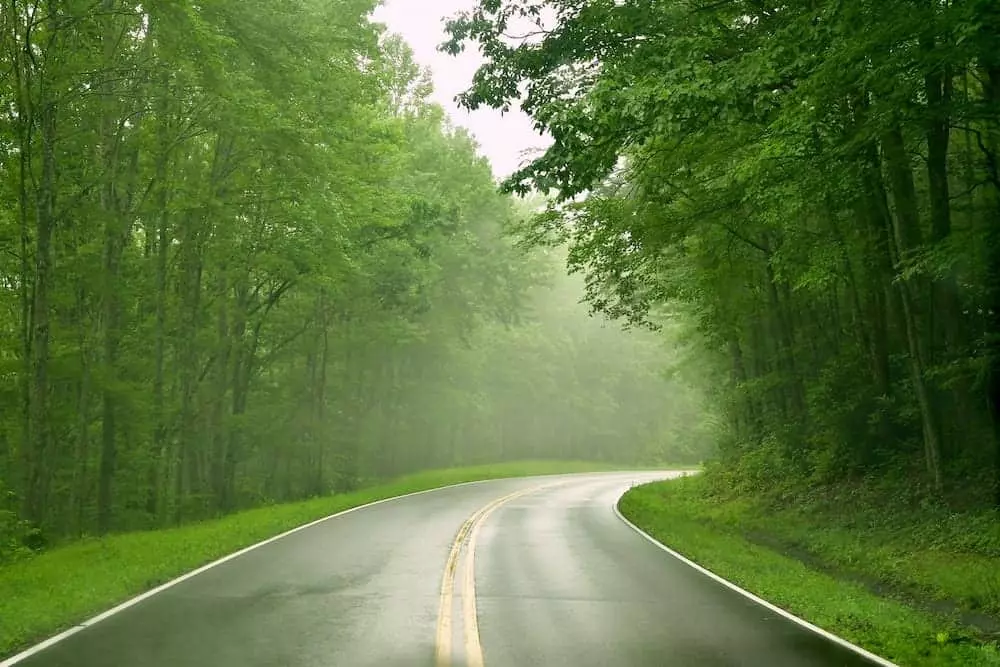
421 23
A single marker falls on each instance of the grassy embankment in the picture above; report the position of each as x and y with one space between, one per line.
49 592
908 580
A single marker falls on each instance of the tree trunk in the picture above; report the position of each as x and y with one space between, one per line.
906 228
945 308
158 451
23 125
220 438
115 225
793 401
320 406
36 488
81 470
883 303
187 355
992 95
242 370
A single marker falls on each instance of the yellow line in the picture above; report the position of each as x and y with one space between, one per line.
444 624
442 656
473 649
474 652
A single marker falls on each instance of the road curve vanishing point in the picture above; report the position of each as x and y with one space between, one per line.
506 573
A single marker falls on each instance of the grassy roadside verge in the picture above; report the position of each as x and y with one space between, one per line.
713 531
52 591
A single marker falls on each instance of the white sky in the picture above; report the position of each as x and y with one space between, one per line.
502 138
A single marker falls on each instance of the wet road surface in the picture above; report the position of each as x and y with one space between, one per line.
555 578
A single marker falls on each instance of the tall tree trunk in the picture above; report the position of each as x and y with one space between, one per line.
794 398
944 311
114 242
242 369
81 471
319 415
187 355
992 151
907 238
158 451
23 128
220 438
37 486
884 307
944 306
754 428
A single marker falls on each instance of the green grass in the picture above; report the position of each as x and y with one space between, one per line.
52 591
712 531
924 548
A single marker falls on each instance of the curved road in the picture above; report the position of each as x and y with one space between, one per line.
555 578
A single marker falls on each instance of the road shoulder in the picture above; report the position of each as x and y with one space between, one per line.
674 513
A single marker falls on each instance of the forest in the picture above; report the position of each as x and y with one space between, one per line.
813 186
245 260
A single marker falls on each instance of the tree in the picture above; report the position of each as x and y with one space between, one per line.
245 260
814 182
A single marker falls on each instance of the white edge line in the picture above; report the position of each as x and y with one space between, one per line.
82 625
878 660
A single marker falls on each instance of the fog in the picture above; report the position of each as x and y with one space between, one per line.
554 382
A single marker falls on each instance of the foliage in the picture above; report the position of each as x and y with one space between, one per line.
246 260
814 185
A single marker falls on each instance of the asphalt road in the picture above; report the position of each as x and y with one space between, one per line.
558 579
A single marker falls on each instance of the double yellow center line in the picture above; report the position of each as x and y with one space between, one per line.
467 536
